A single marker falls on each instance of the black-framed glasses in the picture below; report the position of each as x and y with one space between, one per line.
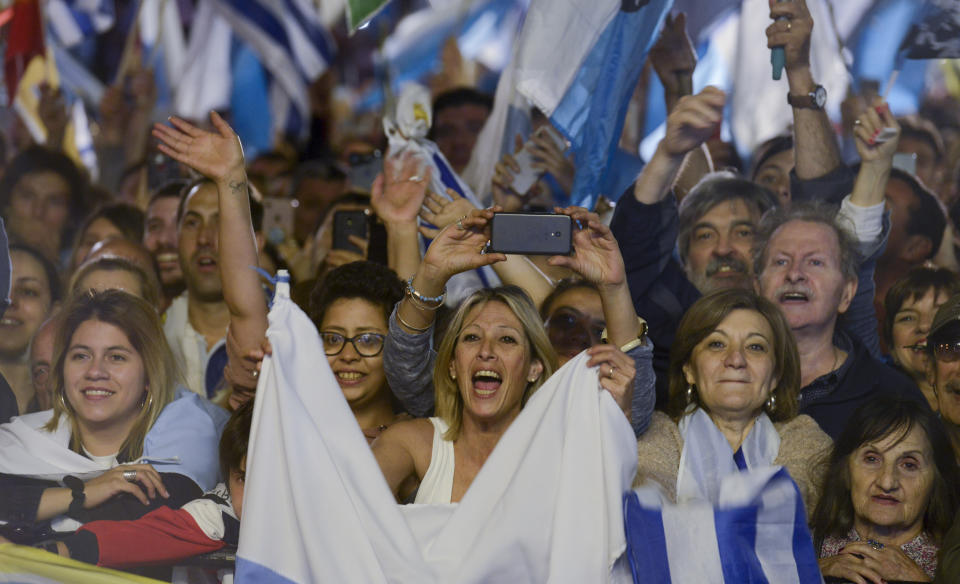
365 344
947 352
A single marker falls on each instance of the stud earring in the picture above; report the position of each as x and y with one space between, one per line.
690 393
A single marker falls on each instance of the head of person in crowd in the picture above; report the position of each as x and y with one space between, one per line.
117 220
943 366
909 308
773 161
198 219
271 171
127 249
717 222
495 343
316 184
458 116
806 264
160 235
34 293
917 225
41 363
734 357
892 479
42 198
118 273
112 371
233 453
573 316
918 136
350 307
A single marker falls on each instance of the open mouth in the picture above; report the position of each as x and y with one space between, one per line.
920 347
206 263
486 383
792 297
167 258
7 321
349 377
96 393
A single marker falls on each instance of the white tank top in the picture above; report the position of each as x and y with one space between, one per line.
437 484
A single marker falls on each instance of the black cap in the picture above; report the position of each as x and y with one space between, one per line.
946 324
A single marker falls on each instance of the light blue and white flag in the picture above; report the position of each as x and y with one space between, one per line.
72 21
579 62
757 532
545 507
293 46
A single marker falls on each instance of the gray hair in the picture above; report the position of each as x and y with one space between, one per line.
713 189
813 212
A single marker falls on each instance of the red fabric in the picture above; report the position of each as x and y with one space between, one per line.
162 536
24 41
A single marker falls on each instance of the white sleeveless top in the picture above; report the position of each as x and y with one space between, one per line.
437 484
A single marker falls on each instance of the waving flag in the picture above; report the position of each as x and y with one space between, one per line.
936 32
757 533
579 62
545 507
75 20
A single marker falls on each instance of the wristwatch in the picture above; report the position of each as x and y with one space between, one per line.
816 99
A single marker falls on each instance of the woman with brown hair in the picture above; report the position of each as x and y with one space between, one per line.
734 380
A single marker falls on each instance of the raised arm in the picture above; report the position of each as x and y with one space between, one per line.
876 159
688 127
397 201
815 144
218 155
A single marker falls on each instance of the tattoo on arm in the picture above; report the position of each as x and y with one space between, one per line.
239 187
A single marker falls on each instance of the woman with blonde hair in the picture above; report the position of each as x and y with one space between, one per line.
122 438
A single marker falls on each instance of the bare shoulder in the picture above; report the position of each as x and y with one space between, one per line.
413 434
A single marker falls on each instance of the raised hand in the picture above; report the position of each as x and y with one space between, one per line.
548 157
398 199
596 254
459 247
791 29
693 121
53 113
673 57
868 127
502 184
442 211
215 155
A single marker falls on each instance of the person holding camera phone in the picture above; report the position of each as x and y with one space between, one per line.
408 355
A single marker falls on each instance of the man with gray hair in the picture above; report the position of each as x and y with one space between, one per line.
712 226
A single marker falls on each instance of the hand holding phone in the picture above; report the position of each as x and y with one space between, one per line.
531 233
530 172
347 223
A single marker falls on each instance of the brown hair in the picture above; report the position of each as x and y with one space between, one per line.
140 322
703 318
914 286
449 402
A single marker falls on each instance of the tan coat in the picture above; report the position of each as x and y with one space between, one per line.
803 447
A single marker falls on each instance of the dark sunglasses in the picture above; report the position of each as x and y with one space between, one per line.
570 331
947 352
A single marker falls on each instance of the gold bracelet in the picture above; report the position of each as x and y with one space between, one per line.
411 327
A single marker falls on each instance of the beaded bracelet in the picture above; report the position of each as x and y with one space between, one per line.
425 302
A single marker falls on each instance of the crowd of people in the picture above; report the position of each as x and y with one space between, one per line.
802 312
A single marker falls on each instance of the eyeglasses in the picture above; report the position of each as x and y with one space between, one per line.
365 344
947 352
570 331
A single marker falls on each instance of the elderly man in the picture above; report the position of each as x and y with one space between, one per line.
943 343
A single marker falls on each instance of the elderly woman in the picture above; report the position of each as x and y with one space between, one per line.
117 419
909 308
734 378
894 496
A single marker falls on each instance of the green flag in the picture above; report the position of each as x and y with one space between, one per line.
360 11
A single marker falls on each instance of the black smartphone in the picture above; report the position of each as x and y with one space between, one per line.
347 223
531 233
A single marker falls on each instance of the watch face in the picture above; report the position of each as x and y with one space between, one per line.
820 96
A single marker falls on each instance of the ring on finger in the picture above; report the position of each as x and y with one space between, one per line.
130 475
612 369
460 223
857 123
789 26
415 178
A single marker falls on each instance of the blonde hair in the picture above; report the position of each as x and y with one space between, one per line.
449 402
140 322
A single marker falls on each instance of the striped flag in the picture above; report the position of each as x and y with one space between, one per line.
579 63
545 507
756 533
293 46
72 21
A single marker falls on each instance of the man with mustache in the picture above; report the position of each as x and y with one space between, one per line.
196 322
943 343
